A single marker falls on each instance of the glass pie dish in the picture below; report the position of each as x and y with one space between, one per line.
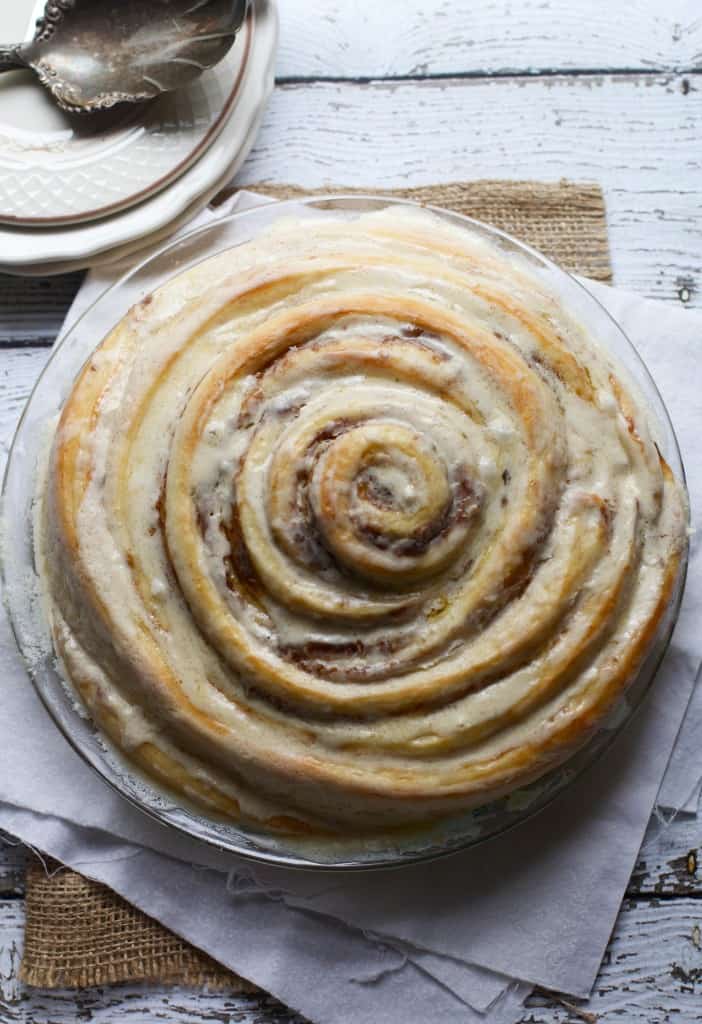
383 848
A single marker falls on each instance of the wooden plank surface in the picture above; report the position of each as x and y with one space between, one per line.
637 135
31 310
409 92
415 37
651 974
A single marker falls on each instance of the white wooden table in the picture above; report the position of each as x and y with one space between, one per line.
417 91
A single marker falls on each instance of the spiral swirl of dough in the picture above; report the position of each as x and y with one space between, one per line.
353 525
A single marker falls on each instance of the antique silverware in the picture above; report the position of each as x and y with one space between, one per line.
93 54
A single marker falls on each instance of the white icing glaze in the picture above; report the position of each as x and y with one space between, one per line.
363 527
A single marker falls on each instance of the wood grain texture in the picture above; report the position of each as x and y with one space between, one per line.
12 868
414 38
636 135
19 369
135 1004
670 860
31 310
651 974
633 126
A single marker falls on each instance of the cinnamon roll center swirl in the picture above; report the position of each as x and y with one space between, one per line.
360 523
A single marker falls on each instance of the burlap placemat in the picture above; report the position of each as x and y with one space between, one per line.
566 220
79 933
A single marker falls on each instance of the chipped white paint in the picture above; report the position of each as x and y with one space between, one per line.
651 974
638 136
635 128
430 37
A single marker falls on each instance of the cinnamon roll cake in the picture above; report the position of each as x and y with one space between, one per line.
353 526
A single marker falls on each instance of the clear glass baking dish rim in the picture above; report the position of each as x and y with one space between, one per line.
199 826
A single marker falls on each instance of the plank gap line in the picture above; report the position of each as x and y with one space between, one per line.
478 74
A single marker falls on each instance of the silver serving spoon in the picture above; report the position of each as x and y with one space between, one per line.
93 54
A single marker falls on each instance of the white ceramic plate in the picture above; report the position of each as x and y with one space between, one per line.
61 169
58 249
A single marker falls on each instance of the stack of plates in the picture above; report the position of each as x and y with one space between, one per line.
78 191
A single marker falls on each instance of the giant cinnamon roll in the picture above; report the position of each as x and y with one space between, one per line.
354 526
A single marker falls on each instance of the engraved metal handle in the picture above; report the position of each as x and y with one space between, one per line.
10 58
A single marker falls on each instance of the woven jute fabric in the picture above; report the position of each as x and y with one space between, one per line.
79 933
565 220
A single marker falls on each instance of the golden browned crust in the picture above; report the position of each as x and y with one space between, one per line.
349 529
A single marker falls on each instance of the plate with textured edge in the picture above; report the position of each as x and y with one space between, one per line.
61 169
138 248
31 630
59 249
